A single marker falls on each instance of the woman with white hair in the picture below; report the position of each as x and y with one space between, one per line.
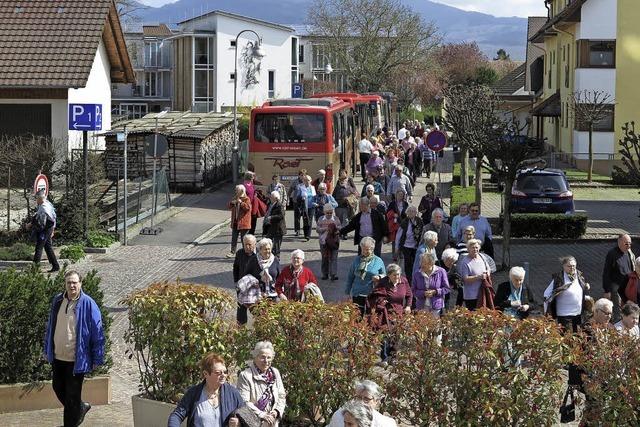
372 187
513 298
265 267
274 225
430 286
365 272
240 207
328 227
293 279
474 271
428 245
321 199
260 385
449 259
370 394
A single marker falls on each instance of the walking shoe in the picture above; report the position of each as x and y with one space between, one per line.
325 277
230 255
307 238
297 233
85 408
334 278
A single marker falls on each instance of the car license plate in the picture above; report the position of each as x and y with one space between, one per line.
544 200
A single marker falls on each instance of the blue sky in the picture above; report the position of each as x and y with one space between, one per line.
522 8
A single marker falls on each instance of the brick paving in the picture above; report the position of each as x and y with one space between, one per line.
145 261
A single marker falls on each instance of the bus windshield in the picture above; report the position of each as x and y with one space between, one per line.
289 128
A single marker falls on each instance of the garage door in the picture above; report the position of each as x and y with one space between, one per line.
25 119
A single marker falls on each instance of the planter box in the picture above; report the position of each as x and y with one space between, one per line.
151 413
32 397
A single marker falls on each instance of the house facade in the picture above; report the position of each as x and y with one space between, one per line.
54 55
589 45
203 58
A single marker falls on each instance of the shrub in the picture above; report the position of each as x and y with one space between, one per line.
321 349
489 370
8 238
100 239
545 226
457 173
621 177
17 252
74 252
461 195
25 302
171 327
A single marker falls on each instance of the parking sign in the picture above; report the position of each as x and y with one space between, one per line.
85 117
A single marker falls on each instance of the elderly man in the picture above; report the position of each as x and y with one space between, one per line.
42 227
481 226
274 225
377 205
443 229
365 148
399 181
74 345
618 263
370 394
367 223
240 263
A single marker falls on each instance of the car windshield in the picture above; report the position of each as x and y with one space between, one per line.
291 128
541 184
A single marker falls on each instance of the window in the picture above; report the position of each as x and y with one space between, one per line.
596 54
291 128
301 77
132 111
301 53
294 51
203 74
604 125
152 54
294 76
152 83
272 84
232 76
232 43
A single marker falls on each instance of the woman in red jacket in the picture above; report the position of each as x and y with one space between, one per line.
240 207
294 278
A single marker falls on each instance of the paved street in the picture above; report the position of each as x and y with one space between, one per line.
172 254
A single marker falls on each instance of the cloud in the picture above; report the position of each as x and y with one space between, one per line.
501 8
157 3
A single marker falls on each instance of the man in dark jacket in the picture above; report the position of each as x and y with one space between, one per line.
618 263
74 345
240 264
274 225
42 227
367 223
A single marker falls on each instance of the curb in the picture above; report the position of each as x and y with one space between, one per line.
499 239
209 233
110 248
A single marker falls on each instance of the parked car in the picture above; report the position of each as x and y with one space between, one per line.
541 191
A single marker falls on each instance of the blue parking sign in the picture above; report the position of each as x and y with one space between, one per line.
85 117
296 90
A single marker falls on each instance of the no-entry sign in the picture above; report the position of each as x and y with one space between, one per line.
436 140
41 183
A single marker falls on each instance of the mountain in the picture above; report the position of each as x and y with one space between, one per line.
490 32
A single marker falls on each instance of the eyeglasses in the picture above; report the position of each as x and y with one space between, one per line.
606 313
474 210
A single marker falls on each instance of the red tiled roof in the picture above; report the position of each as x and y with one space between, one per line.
50 43
156 30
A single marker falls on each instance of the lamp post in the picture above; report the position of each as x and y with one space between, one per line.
328 69
258 52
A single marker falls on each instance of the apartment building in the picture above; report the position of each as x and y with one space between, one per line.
591 45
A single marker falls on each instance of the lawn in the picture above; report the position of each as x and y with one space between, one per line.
575 175
606 194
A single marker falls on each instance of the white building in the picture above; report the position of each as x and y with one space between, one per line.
204 51
55 54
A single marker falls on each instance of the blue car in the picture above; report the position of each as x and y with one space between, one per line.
541 191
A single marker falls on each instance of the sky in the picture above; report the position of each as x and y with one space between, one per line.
522 8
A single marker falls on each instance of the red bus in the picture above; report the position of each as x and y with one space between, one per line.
286 135
371 109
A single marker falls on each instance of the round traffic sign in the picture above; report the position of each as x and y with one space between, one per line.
160 149
436 140
41 183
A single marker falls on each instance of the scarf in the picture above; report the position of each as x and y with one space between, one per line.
266 400
362 267
294 290
515 295
265 264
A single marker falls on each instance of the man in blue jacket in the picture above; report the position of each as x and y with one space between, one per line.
74 345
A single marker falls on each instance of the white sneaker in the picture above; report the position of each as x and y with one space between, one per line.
230 255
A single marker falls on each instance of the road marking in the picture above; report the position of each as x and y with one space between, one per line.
209 234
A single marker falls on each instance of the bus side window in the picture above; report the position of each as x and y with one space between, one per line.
336 130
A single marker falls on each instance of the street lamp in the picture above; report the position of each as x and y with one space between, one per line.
328 69
257 52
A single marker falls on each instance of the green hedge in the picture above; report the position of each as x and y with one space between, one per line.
547 226
457 174
73 252
17 252
461 195
25 301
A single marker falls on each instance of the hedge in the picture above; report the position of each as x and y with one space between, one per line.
461 195
25 301
546 226
457 174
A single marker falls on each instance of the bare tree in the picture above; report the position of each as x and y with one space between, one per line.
128 10
368 40
588 108
471 114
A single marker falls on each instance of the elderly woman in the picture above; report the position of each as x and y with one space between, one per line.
260 385
468 233
408 238
473 269
242 259
428 245
376 205
430 286
366 270
306 194
629 323
369 393
356 414
328 227
374 163
321 199
240 207
274 225
463 210
265 267
294 278
213 402
396 212
372 187
429 202
391 298
564 298
449 259
513 298
345 187
249 184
